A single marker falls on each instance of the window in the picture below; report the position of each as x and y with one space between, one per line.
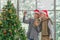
58 25
30 5
57 4
45 4
3 2
27 4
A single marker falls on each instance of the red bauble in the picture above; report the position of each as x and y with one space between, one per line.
4 31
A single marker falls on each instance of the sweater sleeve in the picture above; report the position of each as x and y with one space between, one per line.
26 21
51 29
39 28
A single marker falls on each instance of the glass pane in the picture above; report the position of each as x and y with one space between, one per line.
4 2
51 15
57 4
14 2
57 31
28 15
27 4
58 16
58 25
45 4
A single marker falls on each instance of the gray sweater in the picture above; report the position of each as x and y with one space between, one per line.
33 32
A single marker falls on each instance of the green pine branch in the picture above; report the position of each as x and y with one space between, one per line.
11 26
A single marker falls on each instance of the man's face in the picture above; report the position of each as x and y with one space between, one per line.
36 15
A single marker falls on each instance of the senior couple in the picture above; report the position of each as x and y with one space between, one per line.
41 23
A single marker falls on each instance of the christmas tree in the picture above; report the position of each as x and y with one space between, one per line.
10 26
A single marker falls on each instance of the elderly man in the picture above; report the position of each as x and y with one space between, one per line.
34 26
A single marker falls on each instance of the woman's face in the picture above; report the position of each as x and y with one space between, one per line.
42 15
36 15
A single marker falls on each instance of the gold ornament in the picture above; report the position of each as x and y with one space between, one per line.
9 30
4 31
14 24
4 18
0 22
4 14
12 5
10 11
0 15
11 17
3 10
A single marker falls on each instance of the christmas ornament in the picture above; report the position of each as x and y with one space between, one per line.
4 14
12 5
14 24
0 22
8 18
4 18
5 32
11 17
10 31
10 11
1 26
0 15
3 9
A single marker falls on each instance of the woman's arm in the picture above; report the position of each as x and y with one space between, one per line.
51 29
25 21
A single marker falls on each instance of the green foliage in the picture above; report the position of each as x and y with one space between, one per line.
10 26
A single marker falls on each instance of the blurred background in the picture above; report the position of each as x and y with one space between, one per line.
53 7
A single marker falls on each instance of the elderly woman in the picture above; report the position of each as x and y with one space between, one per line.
34 26
47 29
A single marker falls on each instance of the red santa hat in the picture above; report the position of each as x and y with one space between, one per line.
45 12
37 11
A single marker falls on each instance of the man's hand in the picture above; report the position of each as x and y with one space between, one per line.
25 13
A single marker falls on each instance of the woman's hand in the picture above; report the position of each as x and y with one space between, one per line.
25 12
